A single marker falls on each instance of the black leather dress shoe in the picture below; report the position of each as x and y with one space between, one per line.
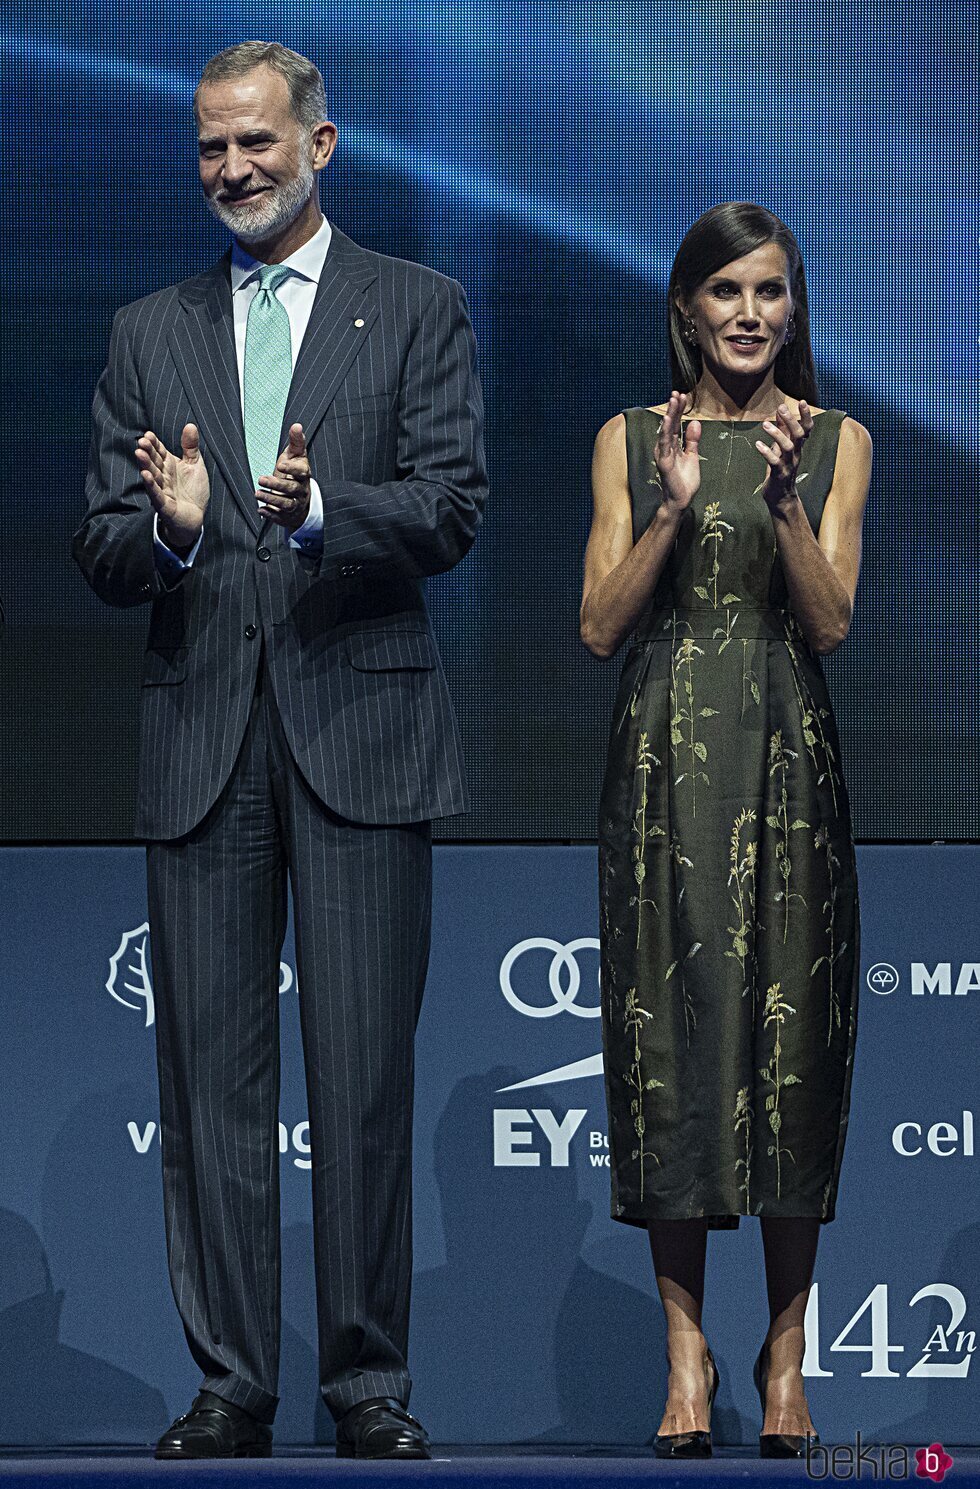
214 1428
777 1444
381 1428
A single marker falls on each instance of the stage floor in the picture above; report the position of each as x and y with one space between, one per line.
468 1468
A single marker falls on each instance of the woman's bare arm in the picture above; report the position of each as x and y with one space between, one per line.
822 571
621 576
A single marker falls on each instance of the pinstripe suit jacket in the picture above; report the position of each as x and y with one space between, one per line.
386 389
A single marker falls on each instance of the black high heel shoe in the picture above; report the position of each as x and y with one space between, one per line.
695 1444
777 1444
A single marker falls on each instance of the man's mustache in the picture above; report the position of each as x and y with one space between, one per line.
240 196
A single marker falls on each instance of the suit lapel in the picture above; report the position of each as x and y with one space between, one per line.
332 338
203 346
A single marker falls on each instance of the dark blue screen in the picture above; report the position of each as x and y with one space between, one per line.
550 156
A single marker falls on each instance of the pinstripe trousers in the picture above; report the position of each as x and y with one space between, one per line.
362 915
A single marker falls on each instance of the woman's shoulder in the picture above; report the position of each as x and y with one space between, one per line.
611 432
854 433
854 447
852 440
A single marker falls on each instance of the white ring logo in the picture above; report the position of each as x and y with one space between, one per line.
563 957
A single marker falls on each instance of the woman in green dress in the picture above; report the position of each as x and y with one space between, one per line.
726 544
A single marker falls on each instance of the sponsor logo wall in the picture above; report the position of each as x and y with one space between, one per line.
534 1316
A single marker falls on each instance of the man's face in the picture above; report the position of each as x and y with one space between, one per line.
255 158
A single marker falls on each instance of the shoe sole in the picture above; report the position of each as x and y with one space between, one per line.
345 1450
254 1450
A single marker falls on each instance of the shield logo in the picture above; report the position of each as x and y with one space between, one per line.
129 972
129 980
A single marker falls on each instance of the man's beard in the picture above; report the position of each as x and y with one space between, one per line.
271 212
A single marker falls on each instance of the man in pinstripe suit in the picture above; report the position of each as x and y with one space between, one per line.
295 728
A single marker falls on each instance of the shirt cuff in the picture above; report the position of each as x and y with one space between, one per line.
165 557
309 537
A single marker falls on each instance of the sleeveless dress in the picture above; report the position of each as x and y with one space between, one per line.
729 918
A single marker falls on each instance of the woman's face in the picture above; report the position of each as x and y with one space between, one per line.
741 313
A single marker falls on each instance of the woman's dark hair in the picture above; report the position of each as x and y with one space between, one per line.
722 234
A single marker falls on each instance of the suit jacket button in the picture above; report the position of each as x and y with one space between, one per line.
263 554
251 632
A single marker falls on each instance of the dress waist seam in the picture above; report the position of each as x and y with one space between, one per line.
733 622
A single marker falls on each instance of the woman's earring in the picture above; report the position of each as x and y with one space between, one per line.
690 332
790 330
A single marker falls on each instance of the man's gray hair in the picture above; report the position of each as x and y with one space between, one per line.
307 96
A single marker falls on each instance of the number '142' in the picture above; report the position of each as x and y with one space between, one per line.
946 1340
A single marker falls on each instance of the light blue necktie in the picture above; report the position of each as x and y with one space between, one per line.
268 371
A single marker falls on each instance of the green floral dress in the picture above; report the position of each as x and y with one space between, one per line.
728 890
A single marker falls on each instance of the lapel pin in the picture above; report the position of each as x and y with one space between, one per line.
358 322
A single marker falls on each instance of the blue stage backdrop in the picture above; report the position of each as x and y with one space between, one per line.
534 1313
550 156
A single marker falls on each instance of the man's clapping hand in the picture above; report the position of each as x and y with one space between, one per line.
284 497
178 486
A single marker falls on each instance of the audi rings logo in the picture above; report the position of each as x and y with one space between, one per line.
882 978
564 978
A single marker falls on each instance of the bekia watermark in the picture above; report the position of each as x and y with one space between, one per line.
875 1461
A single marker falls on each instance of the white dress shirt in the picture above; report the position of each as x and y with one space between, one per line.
296 295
